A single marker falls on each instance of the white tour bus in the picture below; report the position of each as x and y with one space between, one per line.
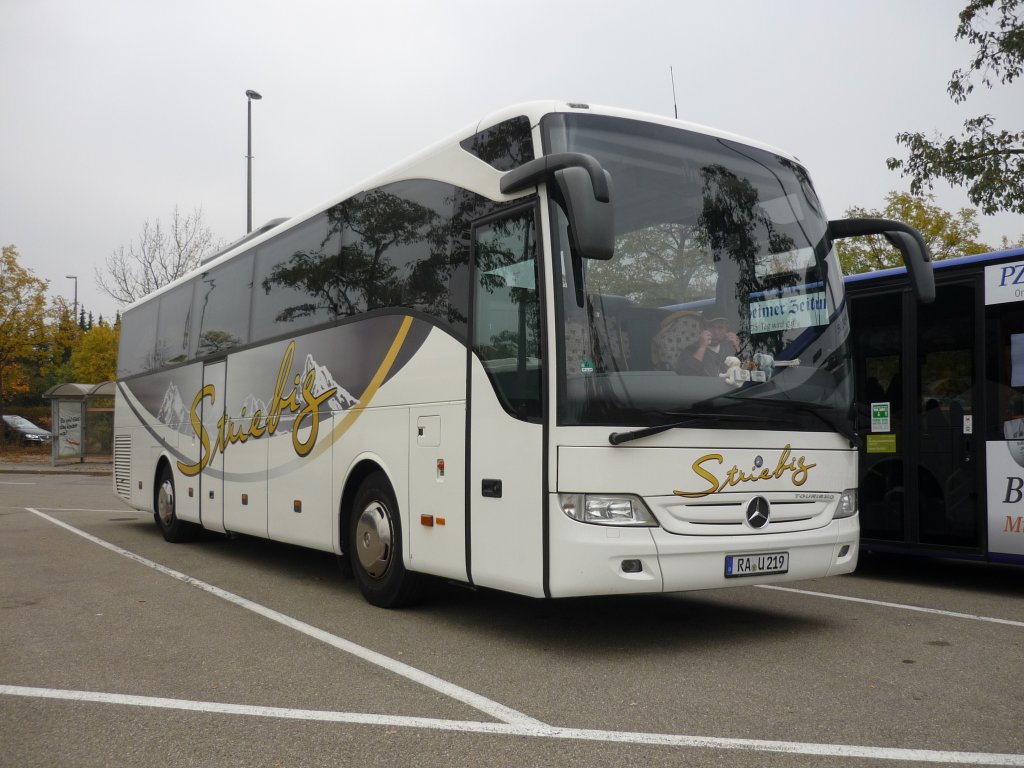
569 351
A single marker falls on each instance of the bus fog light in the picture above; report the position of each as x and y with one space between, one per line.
847 506
632 566
604 509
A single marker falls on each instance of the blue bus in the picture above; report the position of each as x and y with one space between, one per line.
940 390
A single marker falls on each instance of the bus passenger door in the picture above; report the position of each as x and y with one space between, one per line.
878 349
211 481
946 389
506 434
917 368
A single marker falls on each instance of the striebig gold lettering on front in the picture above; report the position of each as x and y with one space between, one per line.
797 468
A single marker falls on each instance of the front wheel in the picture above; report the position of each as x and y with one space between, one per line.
173 529
375 539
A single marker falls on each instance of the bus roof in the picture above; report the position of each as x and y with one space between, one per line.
959 261
425 163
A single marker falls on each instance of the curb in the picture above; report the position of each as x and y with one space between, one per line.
36 469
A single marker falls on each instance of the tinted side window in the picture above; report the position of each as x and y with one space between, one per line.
292 289
385 234
138 339
507 332
469 207
396 249
221 300
173 327
504 146
403 245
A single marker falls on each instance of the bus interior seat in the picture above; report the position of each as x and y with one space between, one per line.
608 350
678 331
576 347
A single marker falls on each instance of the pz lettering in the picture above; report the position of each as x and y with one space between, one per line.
1011 274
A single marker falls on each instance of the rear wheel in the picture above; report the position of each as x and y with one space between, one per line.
375 536
173 529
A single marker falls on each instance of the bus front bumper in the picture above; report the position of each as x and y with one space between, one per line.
597 560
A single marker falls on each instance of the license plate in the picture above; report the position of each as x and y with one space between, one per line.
756 565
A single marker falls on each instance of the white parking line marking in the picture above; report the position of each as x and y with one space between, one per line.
535 730
123 510
513 723
485 705
9 482
900 606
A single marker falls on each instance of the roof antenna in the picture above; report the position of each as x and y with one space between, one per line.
675 105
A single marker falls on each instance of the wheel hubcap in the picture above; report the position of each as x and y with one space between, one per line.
165 502
373 540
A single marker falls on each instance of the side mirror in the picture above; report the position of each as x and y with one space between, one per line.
902 236
585 189
591 222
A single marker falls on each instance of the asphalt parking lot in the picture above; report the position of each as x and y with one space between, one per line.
119 649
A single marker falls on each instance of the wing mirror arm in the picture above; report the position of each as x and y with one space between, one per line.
903 237
583 190
534 172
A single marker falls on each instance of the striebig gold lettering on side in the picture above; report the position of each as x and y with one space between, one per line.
298 399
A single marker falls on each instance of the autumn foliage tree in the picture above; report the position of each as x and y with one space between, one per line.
41 341
53 350
947 234
22 323
94 360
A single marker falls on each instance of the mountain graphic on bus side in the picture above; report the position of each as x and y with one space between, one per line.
175 414
342 400
173 411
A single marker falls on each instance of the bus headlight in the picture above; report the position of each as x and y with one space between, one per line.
604 509
847 506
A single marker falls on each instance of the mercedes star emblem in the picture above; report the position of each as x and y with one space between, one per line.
758 512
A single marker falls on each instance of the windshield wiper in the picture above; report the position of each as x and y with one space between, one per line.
617 438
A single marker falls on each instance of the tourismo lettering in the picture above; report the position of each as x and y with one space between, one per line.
797 468
306 404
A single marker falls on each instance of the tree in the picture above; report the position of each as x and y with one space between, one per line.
95 359
52 354
158 257
664 263
22 322
946 234
989 162
353 270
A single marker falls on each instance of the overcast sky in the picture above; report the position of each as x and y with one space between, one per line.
113 112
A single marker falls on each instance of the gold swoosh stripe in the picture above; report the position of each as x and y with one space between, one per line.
371 389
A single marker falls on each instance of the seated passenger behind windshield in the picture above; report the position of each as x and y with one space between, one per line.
706 357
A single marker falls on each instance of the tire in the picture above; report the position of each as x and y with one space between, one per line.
375 536
173 529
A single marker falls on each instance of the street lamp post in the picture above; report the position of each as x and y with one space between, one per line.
250 96
75 278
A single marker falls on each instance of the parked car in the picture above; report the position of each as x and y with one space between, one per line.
24 431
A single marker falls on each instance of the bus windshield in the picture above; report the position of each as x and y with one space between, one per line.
722 296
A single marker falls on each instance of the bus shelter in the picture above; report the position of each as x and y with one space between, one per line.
83 421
